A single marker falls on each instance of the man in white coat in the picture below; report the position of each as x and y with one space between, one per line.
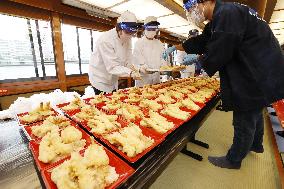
147 53
112 55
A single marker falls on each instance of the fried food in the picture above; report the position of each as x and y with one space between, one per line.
130 140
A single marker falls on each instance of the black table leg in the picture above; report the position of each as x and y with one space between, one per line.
199 143
191 154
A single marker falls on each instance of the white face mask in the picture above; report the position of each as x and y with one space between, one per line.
150 34
196 16
124 37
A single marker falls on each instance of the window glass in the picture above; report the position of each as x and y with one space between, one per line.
85 48
26 49
70 48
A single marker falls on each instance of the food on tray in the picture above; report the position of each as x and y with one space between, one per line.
103 123
118 94
70 134
196 97
92 170
165 98
152 104
174 111
98 121
113 104
54 147
175 94
43 129
148 93
206 92
99 99
87 112
38 114
133 97
189 104
172 68
130 140
77 103
130 112
51 123
136 90
157 122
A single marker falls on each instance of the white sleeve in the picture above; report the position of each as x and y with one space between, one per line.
129 58
138 58
111 61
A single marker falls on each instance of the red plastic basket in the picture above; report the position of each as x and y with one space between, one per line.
121 168
157 140
22 123
34 147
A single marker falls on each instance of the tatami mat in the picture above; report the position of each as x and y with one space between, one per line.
257 171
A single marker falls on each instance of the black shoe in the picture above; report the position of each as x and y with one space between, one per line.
223 162
260 150
273 113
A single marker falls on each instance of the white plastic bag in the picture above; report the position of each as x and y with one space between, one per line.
21 105
89 92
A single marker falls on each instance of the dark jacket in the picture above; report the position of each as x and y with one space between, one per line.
242 47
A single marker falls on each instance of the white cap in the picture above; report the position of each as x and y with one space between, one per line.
150 19
127 16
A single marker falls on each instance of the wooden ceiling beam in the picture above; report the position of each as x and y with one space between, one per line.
173 6
270 6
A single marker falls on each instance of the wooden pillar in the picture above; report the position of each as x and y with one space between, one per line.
58 50
129 81
261 7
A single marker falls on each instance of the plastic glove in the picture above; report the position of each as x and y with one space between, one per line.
143 69
189 59
135 75
168 51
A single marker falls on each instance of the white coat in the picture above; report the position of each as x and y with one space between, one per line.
148 52
109 61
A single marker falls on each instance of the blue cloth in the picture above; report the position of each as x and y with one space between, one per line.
189 4
190 59
168 51
248 134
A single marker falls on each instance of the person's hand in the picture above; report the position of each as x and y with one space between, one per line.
189 59
167 52
143 69
135 75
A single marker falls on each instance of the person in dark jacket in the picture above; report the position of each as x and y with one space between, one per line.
241 46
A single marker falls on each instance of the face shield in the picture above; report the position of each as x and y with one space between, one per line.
151 31
129 28
194 13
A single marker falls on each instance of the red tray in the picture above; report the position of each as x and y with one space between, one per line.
68 112
279 109
25 123
85 124
34 146
121 168
28 129
157 140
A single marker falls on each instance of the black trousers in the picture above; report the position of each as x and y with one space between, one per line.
97 91
248 134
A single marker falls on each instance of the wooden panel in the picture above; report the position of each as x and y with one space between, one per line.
15 9
29 86
73 81
86 23
36 3
58 50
